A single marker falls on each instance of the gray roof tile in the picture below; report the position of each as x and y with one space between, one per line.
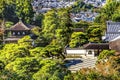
113 30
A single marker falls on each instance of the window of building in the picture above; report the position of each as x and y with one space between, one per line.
89 52
18 33
13 33
23 33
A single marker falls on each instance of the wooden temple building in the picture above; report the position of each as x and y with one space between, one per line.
17 31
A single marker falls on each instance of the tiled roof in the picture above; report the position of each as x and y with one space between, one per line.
111 36
19 26
113 27
96 46
113 30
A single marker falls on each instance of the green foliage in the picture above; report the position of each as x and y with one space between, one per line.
50 70
109 12
42 40
24 67
8 24
56 26
61 38
94 33
78 39
116 15
1 65
36 51
92 74
115 65
8 75
68 77
64 19
12 51
13 9
26 41
50 23
38 20
24 10
7 9
2 7
80 5
81 24
105 54
54 50
108 64
48 51
36 31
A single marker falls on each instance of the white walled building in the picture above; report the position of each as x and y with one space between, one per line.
89 50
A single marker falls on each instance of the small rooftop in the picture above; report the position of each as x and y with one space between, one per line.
19 26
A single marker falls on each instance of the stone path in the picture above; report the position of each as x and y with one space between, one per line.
76 64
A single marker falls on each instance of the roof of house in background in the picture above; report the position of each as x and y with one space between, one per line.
19 26
113 30
96 46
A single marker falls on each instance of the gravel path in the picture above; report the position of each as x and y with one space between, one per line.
76 64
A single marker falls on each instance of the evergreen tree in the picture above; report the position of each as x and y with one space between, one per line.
24 10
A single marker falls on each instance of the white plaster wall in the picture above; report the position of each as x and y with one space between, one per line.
81 52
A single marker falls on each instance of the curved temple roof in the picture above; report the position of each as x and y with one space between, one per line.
19 26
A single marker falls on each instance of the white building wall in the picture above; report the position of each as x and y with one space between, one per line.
82 52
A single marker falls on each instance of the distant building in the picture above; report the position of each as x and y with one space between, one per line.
84 16
38 5
17 31
89 50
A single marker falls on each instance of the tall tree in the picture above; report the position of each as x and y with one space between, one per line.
7 9
94 33
50 23
2 4
57 25
78 39
12 51
24 10
24 67
109 12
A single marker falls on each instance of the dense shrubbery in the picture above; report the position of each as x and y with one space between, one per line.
19 61
105 54
109 12
107 68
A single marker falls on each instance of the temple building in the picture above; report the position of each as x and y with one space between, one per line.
17 31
